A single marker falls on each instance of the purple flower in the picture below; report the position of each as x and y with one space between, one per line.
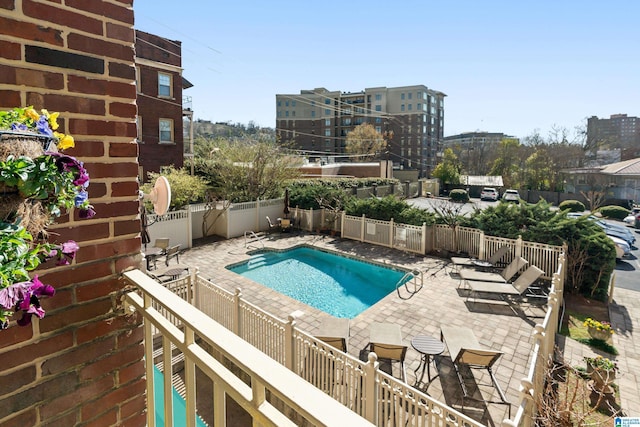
70 248
42 125
30 304
87 213
13 294
19 127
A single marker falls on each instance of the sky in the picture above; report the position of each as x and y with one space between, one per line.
512 66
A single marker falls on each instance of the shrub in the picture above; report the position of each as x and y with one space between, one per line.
185 188
459 195
387 208
572 206
614 212
314 195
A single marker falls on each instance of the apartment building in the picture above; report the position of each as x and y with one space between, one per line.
618 131
161 111
411 118
476 150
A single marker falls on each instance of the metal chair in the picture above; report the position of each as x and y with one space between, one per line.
172 252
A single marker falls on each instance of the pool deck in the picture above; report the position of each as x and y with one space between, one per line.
439 302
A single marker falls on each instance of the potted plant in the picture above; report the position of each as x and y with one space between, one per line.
37 183
602 371
598 330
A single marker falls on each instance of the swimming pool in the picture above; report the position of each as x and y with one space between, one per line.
340 286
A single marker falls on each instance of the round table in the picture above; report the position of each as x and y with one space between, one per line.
481 264
428 347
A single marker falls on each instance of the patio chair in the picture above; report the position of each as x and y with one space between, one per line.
335 332
504 276
285 225
521 287
385 340
272 226
465 350
492 261
172 252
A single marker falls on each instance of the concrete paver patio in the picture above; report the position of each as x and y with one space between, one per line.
499 327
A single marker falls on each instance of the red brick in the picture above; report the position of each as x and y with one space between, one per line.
103 8
83 233
113 210
121 228
15 335
10 98
60 16
9 50
80 355
17 379
31 32
25 77
96 46
101 328
132 372
120 32
24 419
133 407
114 398
75 397
112 362
72 104
104 128
87 86
113 170
9 4
131 337
28 352
93 291
109 418
97 190
78 274
122 109
37 394
76 314
68 419
122 71
127 188
129 149
62 299
108 250
139 420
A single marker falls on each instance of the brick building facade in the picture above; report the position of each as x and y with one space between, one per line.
82 363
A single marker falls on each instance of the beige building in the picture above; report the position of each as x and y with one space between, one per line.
318 121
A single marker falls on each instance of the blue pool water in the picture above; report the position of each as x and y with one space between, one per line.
340 286
179 405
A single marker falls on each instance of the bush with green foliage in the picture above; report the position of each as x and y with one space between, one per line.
185 188
459 195
387 208
315 194
613 212
572 206
591 254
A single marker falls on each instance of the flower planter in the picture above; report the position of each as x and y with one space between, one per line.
598 334
602 379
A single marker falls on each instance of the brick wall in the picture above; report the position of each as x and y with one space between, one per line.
81 364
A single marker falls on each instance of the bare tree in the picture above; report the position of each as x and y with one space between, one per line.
365 141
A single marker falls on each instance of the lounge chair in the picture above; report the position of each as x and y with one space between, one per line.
504 276
272 226
492 261
172 252
385 340
465 350
521 287
335 332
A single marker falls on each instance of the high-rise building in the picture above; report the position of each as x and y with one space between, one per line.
618 131
410 117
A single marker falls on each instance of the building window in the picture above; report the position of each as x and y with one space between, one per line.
410 95
378 107
286 103
286 113
409 107
402 107
419 106
293 103
402 96
279 103
313 113
378 96
419 95
327 122
327 111
166 130
139 126
379 129
378 119
327 132
164 85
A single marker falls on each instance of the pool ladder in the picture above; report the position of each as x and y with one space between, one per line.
410 277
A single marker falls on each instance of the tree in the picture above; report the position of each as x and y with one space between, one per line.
365 141
508 163
185 188
448 171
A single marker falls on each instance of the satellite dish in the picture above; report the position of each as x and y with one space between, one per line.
160 196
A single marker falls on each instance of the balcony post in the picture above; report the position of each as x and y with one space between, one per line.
236 326
289 346
370 389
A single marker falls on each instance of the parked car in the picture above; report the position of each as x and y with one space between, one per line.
633 218
489 193
610 229
622 248
511 196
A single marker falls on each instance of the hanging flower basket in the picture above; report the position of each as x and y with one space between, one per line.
37 182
